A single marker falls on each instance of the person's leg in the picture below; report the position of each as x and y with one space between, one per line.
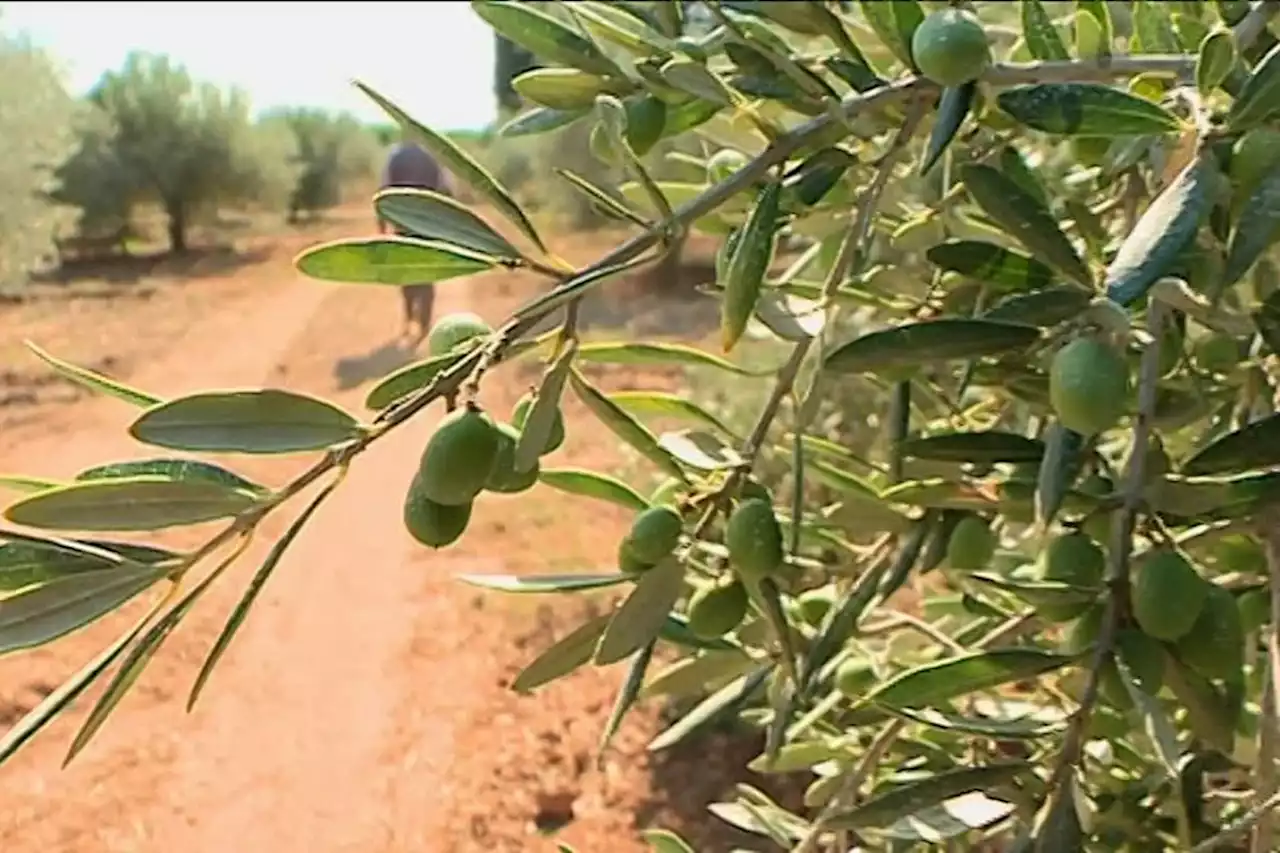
426 302
409 333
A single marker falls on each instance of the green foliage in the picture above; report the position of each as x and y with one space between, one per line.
913 429
187 146
35 121
332 151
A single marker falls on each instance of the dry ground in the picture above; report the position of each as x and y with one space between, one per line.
364 706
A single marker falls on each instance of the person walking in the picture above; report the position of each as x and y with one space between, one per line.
408 165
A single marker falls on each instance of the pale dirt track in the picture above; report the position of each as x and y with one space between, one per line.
363 706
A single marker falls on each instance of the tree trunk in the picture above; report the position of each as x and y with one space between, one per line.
177 230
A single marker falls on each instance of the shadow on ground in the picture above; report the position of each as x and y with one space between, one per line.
384 359
127 270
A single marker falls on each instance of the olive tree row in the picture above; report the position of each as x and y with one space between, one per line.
1038 613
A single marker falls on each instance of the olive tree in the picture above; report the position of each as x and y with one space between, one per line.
188 146
332 151
35 122
1058 275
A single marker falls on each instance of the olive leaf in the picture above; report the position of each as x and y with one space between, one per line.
953 109
540 423
602 200
543 36
612 24
894 24
94 381
1161 233
640 617
748 263
1063 460
41 614
540 120
1152 29
254 589
396 261
1085 109
654 352
949 678
623 425
544 584
1020 214
570 652
1044 308
985 447
718 704
561 88
458 162
991 264
429 215
589 484
1216 60
1257 229
130 503
661 404
906 799
913 345
627 693
1259 100
1042 37
263 421
1252 447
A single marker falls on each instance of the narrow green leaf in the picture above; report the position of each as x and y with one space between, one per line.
542 584
748 263
904 800
1152 28
606 21
700 450
991 264
1162 232
676 631
1020 214
950 819
419 375
943 680
134 503
32 562
659 404
605 202
1250 448
1085 109
540 120
390 260
1014 728
561 88
66 693
815 176
44 613
1216 60
980 448
1094 32
1257 228
1043 40
623 425
910 346
639 352
665 841
429 215
570 652
542 35
1064 458
136 661
791 318
696 79
264 421
1044 308
723 701
1267 320
190 470
589 484
627 693
259 580
86 378
953 109
25 484
642 614
460 164
540 422
1259 100
576 287
894 24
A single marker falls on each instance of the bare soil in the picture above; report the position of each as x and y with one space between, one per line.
364 705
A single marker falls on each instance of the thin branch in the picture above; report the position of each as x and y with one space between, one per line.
1240 827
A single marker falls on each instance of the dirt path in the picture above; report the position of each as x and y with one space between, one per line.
364 704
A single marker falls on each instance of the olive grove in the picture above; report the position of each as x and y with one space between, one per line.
1036 612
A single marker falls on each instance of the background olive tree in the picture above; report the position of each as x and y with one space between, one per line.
1024 599
35 121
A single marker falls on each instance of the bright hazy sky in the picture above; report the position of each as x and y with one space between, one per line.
434 59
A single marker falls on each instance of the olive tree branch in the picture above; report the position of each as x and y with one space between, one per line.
1248 821
1121 546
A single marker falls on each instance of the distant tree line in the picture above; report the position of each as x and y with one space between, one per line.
149 136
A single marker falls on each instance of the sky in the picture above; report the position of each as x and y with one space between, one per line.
435 60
